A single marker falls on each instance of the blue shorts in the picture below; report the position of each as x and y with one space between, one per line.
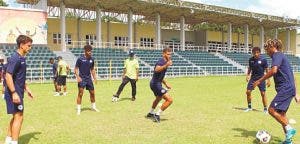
261 86
11 107
157 89
88 84
283 99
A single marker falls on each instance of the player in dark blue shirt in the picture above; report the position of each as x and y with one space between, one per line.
54 73
160 70
84 68
257 67
15 79
284 84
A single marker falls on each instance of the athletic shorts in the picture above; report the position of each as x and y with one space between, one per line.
11 107
282 100
88 84
157 89
61 80
261 86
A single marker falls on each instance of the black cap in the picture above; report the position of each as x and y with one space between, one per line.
59 57
131 52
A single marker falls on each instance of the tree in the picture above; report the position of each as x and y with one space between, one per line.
2 3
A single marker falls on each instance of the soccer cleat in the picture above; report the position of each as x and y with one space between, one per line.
287 142
78 112
56 94
248 109
156 118
289 134
114 98
133 99
65 93
266 111
150 115
95 109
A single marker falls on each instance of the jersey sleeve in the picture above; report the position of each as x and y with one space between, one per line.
93 64
77 63
266 63
12 66
137 64
125 63
160 62
277 59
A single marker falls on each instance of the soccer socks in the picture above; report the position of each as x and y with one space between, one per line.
78 109
159 112
152 111
8 140
94 107
249 105
13 142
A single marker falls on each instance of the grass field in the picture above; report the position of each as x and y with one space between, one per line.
206 110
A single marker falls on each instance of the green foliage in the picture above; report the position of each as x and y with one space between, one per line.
3 3
206 110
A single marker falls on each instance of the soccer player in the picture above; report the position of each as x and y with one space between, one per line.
130 74
83 69
54 72
160 70
257 66
62 72
284 84
15 79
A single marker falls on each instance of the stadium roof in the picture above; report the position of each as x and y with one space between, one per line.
171 10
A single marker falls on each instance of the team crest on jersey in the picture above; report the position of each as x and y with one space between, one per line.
163 91
259 62
91 61
20 107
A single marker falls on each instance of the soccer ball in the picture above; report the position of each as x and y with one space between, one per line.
263 137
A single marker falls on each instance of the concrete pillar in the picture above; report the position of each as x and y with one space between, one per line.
246 38
63 26
229 37
130 33
98 28
276 34
288 40
262 38
158 31
182 33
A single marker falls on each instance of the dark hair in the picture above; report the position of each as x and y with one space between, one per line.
87 47
273 43
23 39
51 59
255 49
167 49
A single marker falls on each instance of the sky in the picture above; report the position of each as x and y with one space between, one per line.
289 8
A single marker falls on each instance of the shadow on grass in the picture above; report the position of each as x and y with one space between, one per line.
243 109
252 134
25 139
123 99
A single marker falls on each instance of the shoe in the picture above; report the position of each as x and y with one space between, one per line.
95 109
56 94
65 93
248 109
150 115
289 134
78 112
114 98
266 111
156 118
133 99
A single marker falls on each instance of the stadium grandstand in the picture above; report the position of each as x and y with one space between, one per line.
206 39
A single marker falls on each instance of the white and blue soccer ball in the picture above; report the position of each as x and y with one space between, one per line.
263 137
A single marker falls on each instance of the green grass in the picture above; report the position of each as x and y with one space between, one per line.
205 110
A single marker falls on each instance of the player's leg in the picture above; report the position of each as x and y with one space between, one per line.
9 135
262 89
16 126
168 101
248 93
154 105
59 84
79 99
120 89
133 89
65 85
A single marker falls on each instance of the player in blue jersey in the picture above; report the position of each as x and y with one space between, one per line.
84 68
257 66
15 79
160 70
54 73
284 84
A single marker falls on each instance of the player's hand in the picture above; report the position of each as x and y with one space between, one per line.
29 93
123 76
247 78
169 63
79 79
16 98
136 79
168 86
268 83
95 81
297 98
256 83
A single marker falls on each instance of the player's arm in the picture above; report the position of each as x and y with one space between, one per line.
26 88
137 74
269 74
11 87
166 84
93 71
268 80
248 74
76 71
124 72
159 68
